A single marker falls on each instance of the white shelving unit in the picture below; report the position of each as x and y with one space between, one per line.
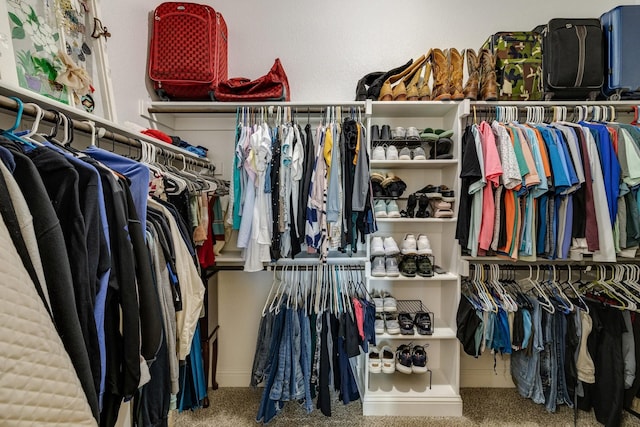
398 393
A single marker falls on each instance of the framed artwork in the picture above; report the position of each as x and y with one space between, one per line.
57 49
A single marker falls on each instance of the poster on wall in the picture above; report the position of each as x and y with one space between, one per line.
58 49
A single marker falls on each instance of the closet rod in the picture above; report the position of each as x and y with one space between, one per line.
548 108
165 151
342 261
545 266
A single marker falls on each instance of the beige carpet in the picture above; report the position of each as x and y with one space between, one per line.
236 407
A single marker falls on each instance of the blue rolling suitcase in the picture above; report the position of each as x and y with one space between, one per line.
621 28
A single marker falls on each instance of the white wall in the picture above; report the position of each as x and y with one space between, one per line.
326 46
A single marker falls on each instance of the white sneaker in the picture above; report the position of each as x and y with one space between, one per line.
389 305
377 268
392 209
391 265
378 301
388 360
380 209
392 325
409 245
392 152
390 246
378 153
424 246
375 360
377 247
378 325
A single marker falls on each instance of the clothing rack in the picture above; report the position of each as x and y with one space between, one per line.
113 136
539 111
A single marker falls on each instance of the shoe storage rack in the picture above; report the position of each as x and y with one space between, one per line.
436 394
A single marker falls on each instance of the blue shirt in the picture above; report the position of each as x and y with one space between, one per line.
137 172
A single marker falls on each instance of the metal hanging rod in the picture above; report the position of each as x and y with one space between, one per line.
113 136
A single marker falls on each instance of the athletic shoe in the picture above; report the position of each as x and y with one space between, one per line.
390 246
409 245
403 359
419 359
378 153
391 265
405 154
389 304
392 209
392 152
424 246
377 247
378 325
377 267
419 154
391 324
380 209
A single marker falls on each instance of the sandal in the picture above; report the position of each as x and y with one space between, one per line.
423 323
406 323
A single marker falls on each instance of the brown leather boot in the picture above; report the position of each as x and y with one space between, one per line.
456 64
473 80
488 84
441 77
424 91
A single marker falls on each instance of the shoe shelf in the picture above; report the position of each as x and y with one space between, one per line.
403 109
413 164
409 395
416 220
436 278
438 334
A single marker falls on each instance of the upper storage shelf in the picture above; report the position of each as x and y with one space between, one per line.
414 108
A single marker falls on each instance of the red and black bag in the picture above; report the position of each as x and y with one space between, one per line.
273 86
188 51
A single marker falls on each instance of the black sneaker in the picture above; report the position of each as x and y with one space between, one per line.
423 323
403 359
406 323
408 266
424 266
419 359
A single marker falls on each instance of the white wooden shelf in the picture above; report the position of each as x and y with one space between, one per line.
401 278
409 395
416 220
413 164
417 109
438 334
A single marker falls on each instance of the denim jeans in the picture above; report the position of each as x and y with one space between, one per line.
305 358
280 388
561 332
269 408
297 377
262 349
549 363
525 364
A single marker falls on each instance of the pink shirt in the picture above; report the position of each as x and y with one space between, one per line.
492 171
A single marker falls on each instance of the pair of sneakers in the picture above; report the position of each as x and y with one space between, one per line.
422 322
416 246
411 359
387 322
381 359
385 266
384 302
412 265
386 209
381 152
416 154
384 246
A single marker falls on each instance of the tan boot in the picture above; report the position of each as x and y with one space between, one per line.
424 91
456 64
441 77
488 84
473 80
388 93
413 93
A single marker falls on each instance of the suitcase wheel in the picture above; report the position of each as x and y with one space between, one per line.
212 95
163 95
616 96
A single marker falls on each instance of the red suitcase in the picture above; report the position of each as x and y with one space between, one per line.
188 51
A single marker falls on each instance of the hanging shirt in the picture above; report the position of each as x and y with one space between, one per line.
493 172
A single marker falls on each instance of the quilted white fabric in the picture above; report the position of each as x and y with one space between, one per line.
38 385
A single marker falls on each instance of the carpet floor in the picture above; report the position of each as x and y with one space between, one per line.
237 407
